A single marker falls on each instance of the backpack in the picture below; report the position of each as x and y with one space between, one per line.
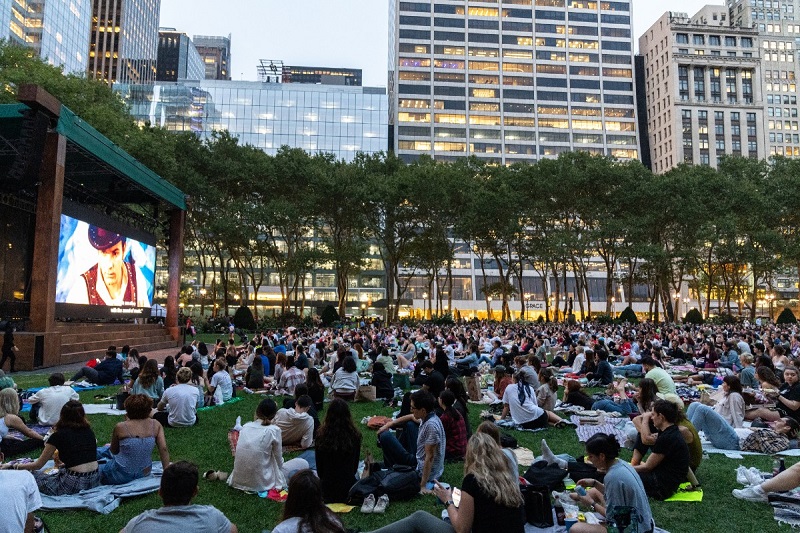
551 476
401 483
538 508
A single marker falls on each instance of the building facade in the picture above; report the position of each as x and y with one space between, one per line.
512 81
323 75
57 30
178 58
216 54
317 118
124 41
703 88
778 26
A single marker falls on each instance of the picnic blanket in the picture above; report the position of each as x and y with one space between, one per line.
785 508
105 498
737 454
229 402
585 432
508 423
102 409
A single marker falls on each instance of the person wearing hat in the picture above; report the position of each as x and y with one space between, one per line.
113 280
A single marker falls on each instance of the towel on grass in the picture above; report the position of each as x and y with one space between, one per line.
686 494
585 432
102 409
508 423
786 508
229 402
105 498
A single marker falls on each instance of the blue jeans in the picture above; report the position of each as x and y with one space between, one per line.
110 472
625 407
487 359
717 430
400 451
627 370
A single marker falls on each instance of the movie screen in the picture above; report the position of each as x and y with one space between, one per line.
99 267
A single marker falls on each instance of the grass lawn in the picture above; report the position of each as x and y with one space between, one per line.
207 445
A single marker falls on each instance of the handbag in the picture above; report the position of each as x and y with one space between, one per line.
538 507
120 400
401 483
366 393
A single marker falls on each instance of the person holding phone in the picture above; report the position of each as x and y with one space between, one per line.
490 499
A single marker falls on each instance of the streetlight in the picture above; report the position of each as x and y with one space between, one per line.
770 297
203 301
424 302
489 299
613 307
677 304
686 305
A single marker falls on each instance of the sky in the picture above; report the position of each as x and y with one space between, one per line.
331 33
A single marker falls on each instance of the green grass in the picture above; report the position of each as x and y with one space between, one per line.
207 445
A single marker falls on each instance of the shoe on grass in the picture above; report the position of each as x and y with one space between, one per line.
751 494
381 505
369 504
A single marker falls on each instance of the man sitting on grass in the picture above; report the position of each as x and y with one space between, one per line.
178 489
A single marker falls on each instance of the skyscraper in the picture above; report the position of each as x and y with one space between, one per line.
57 30
124 41
778 26
703 87
178 58
514 81
216 54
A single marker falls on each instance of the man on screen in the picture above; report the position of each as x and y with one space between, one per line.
112 281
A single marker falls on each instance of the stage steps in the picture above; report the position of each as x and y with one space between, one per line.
83 341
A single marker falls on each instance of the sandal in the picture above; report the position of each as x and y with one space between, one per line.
369 504
381 505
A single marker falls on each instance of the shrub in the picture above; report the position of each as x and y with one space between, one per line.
540 320
445 319
724 319
627 315
786 317
329 315
693 317
604 319
243 319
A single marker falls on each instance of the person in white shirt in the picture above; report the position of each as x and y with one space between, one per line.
220 388
519 401
181 399
20 497
296 425
46 404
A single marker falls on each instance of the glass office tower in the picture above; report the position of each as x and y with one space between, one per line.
342 120
512 80
57 30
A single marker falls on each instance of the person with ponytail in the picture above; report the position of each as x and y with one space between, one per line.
621 488
519 400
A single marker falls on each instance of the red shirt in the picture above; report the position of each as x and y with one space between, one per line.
455 434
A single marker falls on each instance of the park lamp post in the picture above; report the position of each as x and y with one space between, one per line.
424 303
203 301
613 307
770 298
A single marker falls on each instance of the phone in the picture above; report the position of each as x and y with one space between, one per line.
456 496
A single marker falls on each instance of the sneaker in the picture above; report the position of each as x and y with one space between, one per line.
381 505
369 504
751 494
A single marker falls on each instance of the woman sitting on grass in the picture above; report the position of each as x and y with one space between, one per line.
254 377
132 443
149 382
304 510
345 380
258 465
9 419
547 393
491 500
76 444
455 430
338 447
520 403
573 395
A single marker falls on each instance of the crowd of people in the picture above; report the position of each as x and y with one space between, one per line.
321 370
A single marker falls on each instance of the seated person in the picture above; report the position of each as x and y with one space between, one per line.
573 395
296 425
422 442
46 404
747 376
787 399
547 392
149 382
337 451
722 435
106 372
305 509
604 373
386 360
9 419
668 463
501 381
291 376
178 405
258 464
20 497
316 389
220 387
663 380
132 444
76 444
345 380
641 402
178 489
520 403
382 381
254 377
6 382
455 429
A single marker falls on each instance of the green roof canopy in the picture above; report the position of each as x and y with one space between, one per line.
96 168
